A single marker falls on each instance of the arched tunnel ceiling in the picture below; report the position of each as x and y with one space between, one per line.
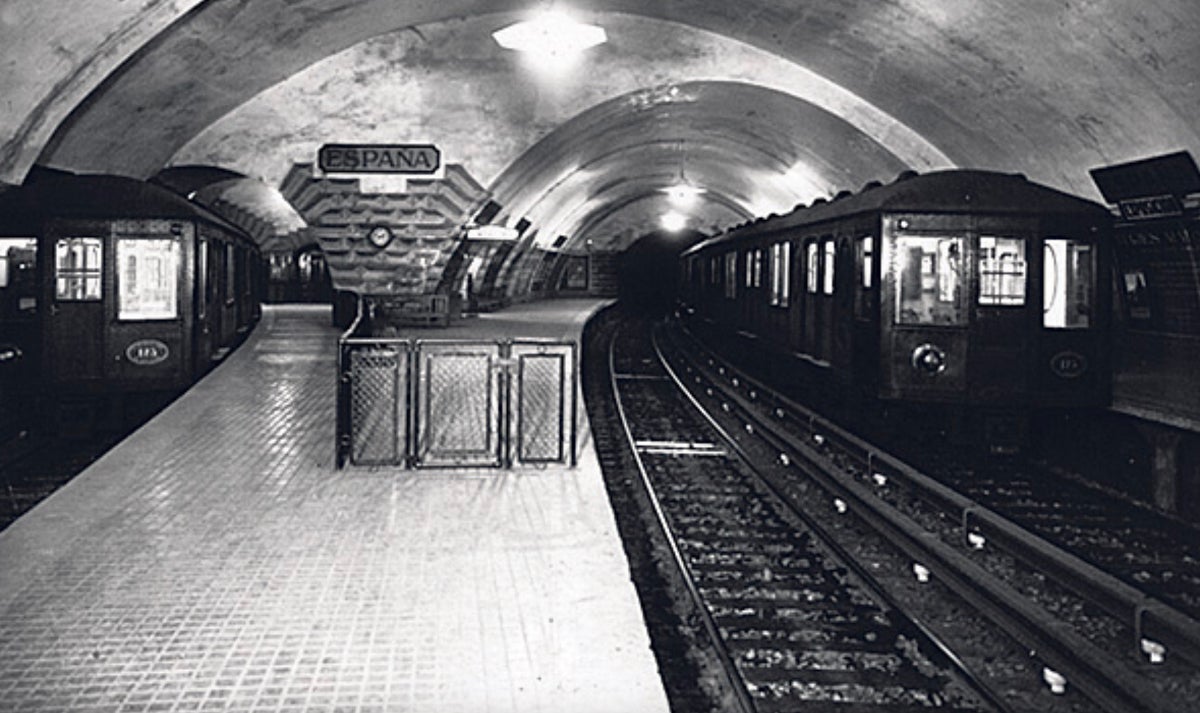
1039 86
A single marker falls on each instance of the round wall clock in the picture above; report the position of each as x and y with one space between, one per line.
379 236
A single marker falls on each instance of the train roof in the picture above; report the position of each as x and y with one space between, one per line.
952 191
49 193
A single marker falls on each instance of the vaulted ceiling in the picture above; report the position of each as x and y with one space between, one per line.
764 103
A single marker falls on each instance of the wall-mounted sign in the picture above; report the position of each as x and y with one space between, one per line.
491 232
1151 207
1068 364
412 159
147 352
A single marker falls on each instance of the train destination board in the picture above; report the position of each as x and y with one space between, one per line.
410 159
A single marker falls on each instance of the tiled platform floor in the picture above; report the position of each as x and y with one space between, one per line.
216 561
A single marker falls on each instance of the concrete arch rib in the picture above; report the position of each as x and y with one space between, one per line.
757 150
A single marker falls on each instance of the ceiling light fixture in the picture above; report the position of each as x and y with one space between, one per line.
683 194
673 221
551 34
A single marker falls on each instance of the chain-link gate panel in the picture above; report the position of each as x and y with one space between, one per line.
458 419
542 398
378 375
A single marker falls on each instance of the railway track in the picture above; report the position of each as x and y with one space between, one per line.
1004 568
796 621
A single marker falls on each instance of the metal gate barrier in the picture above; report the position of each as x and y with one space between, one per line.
456 403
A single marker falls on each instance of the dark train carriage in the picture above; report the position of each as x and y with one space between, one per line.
961 287
132 288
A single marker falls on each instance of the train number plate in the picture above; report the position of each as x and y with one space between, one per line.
147 352
1068 365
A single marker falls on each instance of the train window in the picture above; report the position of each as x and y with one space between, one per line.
781 265
731 275
77 269
1001 271
1067 284
830 253
230 274
147 278
864 303
758 261
928 276
866 258
202 280
18 276
813 267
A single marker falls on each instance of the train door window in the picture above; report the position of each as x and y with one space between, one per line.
813 267
1067 284
1001 271
147 278
77 269
757 272
202 279
781 263
731 275
230 274
829 252
866 286
928 280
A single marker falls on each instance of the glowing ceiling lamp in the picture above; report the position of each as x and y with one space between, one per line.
551 34
673 221
683 194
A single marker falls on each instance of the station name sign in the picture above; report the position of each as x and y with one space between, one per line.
1150 207
409 159
491 232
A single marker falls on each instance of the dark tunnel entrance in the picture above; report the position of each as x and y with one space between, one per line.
647 272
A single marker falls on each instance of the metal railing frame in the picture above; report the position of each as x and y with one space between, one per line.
409 393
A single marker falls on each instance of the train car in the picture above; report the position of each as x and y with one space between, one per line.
961 287
109 285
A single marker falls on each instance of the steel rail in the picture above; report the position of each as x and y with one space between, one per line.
733 677
1106 681
1145 615
846 558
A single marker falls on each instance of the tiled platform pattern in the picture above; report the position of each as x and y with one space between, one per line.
216 561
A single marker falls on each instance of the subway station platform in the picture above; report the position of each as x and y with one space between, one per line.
216 560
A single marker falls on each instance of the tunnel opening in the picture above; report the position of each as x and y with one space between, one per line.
647 272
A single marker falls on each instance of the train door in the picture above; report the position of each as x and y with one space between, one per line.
208 312
229 312
842 304
924 307
144 322
824 313
795 326
74 336
865 281
1071 360
998 346
812 291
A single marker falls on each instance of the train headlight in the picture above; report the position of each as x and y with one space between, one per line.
929 359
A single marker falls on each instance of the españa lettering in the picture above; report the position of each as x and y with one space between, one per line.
418 159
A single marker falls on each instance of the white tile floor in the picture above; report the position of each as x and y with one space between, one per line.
217 561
